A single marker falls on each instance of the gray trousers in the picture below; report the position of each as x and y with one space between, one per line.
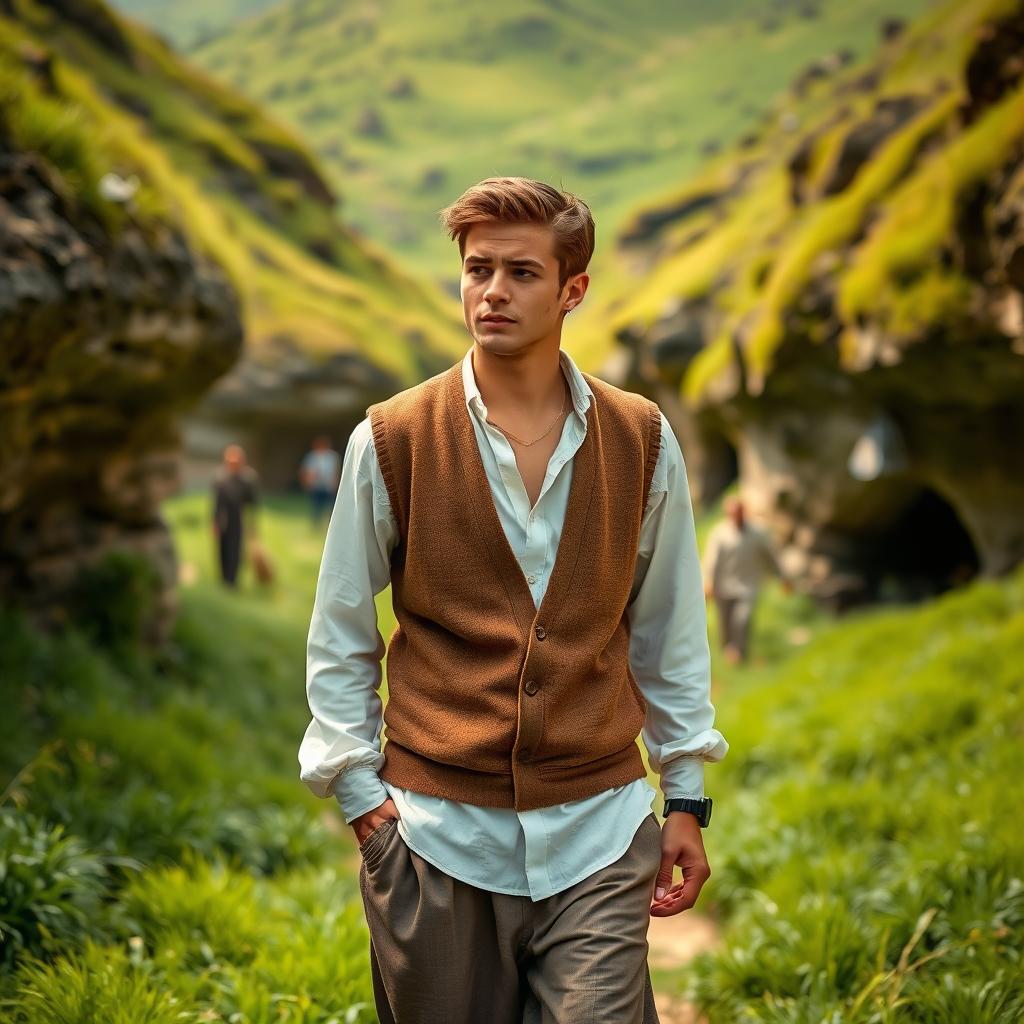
446 952
734 615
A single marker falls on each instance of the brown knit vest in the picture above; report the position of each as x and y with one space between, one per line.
490 700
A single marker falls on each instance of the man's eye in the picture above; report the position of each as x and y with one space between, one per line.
523 270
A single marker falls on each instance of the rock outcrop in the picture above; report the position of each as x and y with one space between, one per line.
105 338
848 333
330 324
273 403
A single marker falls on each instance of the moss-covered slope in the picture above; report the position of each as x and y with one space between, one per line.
863 185
243 187
840 302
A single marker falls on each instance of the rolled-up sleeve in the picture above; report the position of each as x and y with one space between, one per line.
340 753
669 643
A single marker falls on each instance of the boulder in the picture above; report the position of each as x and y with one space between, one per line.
106 336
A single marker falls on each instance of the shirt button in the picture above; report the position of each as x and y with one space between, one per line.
531 686
541 632
531 579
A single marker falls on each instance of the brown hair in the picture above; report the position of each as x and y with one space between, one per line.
523 200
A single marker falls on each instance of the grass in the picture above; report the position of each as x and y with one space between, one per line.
160 860
864 859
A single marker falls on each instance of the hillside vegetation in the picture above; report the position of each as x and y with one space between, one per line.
161 861
194 20
94 93
407 103
859 199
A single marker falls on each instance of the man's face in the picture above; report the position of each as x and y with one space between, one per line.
510 294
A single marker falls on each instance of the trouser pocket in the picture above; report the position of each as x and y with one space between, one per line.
375 843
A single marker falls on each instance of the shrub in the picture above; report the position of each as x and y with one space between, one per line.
52 888
113 600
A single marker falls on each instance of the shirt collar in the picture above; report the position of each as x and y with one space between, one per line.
578 387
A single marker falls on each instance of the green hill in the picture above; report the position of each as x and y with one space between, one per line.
407 103
193 20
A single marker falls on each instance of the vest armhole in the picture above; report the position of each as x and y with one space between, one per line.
653 450
384 461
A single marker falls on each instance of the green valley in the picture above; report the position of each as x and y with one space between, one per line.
408 103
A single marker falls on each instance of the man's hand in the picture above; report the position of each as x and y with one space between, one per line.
367 822
681 844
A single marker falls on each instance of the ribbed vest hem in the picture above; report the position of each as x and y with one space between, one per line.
525 787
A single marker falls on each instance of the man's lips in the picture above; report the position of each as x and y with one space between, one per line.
496 318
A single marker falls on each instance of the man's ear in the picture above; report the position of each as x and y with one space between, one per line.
576 288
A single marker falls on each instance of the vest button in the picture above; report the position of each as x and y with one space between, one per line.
531 686
541 632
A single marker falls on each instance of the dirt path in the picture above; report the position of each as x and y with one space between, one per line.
674 941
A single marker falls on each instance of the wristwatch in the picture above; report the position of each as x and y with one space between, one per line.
701 808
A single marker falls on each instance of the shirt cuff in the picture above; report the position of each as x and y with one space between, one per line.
682 778
357 791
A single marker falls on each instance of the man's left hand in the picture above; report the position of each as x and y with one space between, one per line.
682 844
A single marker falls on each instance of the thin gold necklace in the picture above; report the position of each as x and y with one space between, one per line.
526 444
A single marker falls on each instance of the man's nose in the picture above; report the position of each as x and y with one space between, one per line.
496 290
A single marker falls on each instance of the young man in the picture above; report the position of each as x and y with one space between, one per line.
535 526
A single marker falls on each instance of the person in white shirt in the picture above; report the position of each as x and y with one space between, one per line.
490 913
319 474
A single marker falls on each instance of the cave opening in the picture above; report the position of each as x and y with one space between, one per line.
925 551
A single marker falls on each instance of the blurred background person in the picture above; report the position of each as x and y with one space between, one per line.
235 485
319 474
737 557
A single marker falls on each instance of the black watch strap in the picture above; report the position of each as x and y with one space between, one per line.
701 808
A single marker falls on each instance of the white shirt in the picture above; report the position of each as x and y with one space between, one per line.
322 464
736 561
542 851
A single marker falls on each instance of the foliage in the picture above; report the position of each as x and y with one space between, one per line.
864 859
163 853
112 600
51 887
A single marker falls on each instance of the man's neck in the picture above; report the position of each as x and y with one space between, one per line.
527 384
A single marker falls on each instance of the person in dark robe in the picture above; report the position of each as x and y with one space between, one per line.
235 486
